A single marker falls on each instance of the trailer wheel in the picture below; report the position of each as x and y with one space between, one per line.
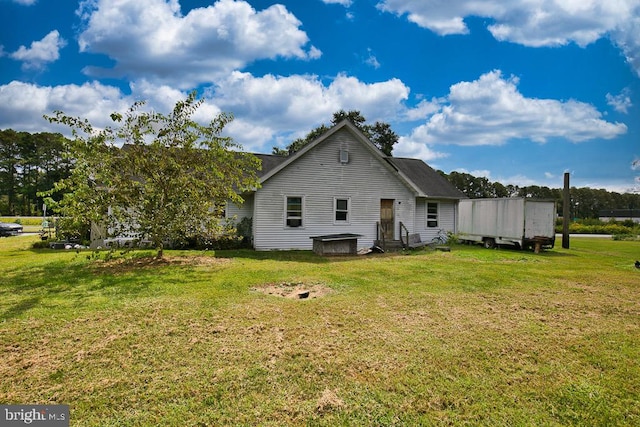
489 243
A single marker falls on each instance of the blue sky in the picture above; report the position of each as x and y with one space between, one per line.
518 92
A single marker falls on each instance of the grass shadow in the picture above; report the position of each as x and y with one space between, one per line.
20 308
62 283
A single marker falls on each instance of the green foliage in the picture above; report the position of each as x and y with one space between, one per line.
28 221
29 163
595 226
168 183
585 202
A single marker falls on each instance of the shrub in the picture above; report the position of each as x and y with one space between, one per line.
595 226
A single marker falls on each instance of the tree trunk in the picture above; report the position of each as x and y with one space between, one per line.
160 248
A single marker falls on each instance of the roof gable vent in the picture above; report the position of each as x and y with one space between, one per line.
344 156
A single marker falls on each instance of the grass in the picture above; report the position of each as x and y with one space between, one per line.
469 337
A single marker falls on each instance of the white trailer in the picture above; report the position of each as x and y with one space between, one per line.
520 222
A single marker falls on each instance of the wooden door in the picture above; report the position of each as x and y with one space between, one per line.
386 218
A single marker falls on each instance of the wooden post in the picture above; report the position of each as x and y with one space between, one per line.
566 212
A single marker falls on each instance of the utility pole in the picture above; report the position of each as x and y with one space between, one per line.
566 212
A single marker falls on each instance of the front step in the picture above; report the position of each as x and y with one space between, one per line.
389 245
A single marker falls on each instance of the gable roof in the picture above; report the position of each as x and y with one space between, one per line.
425 179
415 173
310 146
269 162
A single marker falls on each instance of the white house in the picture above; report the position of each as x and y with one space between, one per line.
341 183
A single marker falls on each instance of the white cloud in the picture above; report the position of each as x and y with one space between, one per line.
534 22
491 111
267 110
345 3
25 2
41 52
371 59
627 37
23 104
621 102
406 147
294 105
423 110
480 173
152 39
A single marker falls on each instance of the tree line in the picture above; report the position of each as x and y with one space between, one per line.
585 202
29 164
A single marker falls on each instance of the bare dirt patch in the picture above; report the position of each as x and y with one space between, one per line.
117 265
294 290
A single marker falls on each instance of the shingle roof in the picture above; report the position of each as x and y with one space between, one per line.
416 173
269 162
427 180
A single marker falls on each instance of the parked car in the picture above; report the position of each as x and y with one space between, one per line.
10 229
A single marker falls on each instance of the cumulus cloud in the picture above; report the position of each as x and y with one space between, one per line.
491 111
621 102
22 105
154 40
533 23
40 52
408 147
424 109
25 2
294 105
268 110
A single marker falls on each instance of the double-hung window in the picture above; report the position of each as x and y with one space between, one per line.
294 211
341 210
432 215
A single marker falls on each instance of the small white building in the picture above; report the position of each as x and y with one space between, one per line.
620 215
341 183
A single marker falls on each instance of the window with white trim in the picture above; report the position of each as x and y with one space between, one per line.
341 210
294 210
432 215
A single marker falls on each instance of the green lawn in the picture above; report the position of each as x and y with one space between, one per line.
468 337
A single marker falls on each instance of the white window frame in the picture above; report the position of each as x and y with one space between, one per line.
430 217
348 211
286 211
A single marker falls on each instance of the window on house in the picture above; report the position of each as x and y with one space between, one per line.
341 208
432 215
294 212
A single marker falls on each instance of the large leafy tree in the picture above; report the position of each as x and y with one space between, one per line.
169 181
379 133
29 163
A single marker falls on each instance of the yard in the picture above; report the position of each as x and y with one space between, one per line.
467 337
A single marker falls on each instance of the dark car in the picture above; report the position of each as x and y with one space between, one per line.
10 229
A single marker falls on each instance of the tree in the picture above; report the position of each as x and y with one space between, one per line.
29 163
9 162
169 182
379 133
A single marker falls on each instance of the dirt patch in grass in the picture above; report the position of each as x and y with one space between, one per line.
329 401
122 265
294 290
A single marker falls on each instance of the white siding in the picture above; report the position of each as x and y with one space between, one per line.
236 212
319 177
447 213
